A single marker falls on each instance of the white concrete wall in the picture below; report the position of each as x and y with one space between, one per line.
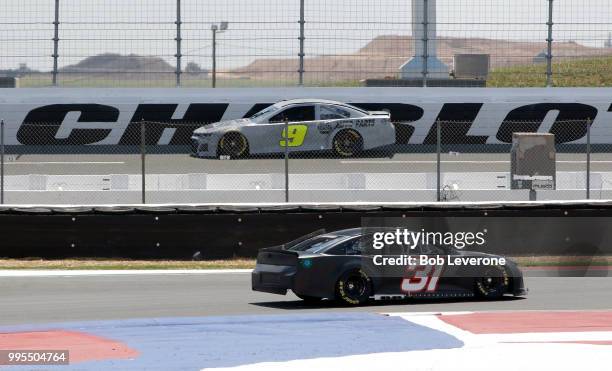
335 187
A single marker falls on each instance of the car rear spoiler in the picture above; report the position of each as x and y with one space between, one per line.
380 113
277 249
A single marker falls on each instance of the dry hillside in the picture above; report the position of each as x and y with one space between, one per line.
110 63
383 56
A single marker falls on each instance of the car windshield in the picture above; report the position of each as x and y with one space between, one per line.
313 245
265 111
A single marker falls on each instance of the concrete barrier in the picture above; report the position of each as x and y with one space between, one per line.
318 187
222 231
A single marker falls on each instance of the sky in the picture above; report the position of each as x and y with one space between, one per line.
269 28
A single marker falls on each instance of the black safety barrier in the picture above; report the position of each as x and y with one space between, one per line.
224 231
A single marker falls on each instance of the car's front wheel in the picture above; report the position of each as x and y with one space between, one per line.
492 284
347 143
234 145
353 288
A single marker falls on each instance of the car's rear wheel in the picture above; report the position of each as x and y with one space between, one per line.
492 284
309 299
353 288
347 143
233 144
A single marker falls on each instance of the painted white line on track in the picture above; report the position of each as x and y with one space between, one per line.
460 162
478 353
65 163
435 313
114 272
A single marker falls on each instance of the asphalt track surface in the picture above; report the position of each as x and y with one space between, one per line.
179 164
29 300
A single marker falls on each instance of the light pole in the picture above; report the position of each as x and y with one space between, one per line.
216 28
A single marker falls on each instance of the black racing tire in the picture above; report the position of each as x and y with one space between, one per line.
493 283
347 143
353 288
309 299
234 145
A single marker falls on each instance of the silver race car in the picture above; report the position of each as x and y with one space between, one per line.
302 124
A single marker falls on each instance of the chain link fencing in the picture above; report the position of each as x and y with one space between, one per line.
324 161
470 174
239 43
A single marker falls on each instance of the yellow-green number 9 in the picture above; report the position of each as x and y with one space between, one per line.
296 136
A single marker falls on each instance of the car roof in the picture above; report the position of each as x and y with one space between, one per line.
352 232
342 235
347 232
288 102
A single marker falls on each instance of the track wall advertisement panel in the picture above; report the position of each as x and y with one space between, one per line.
484 118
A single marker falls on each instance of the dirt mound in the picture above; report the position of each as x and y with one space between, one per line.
383 56
119 63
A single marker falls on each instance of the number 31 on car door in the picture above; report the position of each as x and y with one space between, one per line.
422 278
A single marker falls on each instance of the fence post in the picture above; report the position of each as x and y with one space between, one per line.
438 151
286 137
178 43
214 57
2 162
549 41
301 38
588 159
425 41
55 43
143 155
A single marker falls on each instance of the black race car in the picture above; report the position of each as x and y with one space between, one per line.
343 266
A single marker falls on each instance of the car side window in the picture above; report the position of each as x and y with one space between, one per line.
295 114
328 112
351 247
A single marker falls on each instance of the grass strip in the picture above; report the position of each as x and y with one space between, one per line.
246 263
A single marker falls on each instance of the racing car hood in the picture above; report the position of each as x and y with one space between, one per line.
222 125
